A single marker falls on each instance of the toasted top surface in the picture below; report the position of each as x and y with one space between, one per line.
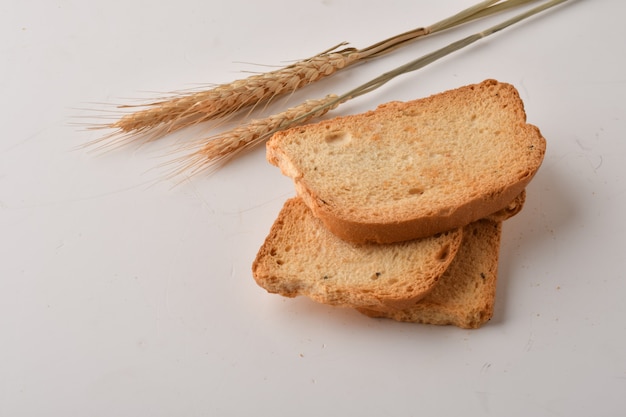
301 257
422 166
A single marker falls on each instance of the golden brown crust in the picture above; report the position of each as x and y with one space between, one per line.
512 209
421 227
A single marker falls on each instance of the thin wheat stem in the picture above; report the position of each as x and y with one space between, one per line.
162 117
480 13
434 56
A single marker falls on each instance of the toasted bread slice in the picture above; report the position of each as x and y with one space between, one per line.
301 257
413 169
465 293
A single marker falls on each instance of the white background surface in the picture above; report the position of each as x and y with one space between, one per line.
122 295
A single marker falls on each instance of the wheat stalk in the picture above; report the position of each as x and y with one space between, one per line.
165 116
439 53
222 148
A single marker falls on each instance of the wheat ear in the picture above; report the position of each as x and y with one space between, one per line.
219 150
168 115
226 99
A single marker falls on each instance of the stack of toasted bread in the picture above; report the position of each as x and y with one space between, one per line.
399 210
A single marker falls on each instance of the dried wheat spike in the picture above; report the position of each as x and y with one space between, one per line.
225 99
